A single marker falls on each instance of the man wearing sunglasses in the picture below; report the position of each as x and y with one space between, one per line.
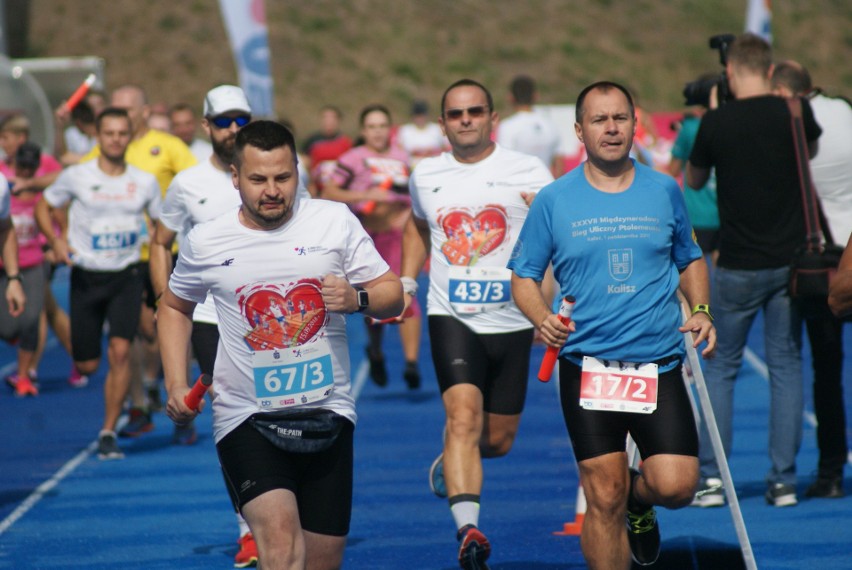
468 207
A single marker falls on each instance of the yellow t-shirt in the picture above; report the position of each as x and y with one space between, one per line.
161 154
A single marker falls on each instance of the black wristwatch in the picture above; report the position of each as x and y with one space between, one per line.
15 277
363 299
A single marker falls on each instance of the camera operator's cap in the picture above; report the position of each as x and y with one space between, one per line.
420 107
28 156
225 99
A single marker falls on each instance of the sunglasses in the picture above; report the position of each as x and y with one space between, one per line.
475 112
222 122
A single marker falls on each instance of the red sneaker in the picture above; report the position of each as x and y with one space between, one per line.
247 555
25 387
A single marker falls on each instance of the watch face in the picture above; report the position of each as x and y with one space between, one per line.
363 299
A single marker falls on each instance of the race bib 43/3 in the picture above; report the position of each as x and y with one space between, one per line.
479 289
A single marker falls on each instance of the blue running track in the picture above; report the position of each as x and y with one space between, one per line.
165 506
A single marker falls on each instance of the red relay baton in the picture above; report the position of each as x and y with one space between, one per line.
545 371
81 91
193 399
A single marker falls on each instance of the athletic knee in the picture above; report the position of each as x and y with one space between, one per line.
607 498
285 552
496 445
463 424
87 367
119 351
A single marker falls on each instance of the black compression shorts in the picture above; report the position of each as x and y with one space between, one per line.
322 481
497 364
670 429
114 296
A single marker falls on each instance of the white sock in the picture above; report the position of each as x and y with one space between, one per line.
241 522
465 513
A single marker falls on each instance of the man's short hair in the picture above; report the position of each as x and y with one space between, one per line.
17 123
467 83
604 86
83 112
333 109
178 107
263 135
523 89
752 53
111 112
793 76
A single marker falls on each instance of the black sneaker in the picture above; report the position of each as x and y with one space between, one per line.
826 488
474 548
108 447
643 532
781 495
411 375
378 372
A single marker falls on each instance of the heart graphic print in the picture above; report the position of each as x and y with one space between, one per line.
473 234
282 316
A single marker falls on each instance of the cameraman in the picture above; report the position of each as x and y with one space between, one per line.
749 142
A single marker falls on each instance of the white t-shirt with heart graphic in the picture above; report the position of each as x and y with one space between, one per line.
475 212
279 348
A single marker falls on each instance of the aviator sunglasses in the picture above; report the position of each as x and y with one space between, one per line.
475 112
223 122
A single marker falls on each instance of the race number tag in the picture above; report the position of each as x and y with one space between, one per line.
620 387
479 289
289 377
115 234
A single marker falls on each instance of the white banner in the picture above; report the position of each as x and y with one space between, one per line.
245 22
759 19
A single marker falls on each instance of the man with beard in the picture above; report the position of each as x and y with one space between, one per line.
106 201
196 195
285 446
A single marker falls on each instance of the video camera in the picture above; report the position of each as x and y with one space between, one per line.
698 92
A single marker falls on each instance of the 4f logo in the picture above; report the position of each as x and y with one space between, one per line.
620 263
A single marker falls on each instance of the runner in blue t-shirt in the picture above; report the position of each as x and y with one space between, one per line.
620 241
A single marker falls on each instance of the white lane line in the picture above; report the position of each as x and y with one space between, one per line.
360 378
46 487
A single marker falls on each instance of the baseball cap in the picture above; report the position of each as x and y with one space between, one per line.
224 99
28 156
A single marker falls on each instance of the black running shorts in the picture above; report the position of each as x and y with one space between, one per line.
497 364
322 482
670 429
98 296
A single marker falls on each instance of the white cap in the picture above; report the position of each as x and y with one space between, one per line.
224 99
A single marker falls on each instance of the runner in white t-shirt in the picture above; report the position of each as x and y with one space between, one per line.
100 207
283 417
198 194
528 130
468 207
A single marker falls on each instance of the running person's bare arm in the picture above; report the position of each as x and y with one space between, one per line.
385 294
15 297
161 258
695 285
174 329
527 295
